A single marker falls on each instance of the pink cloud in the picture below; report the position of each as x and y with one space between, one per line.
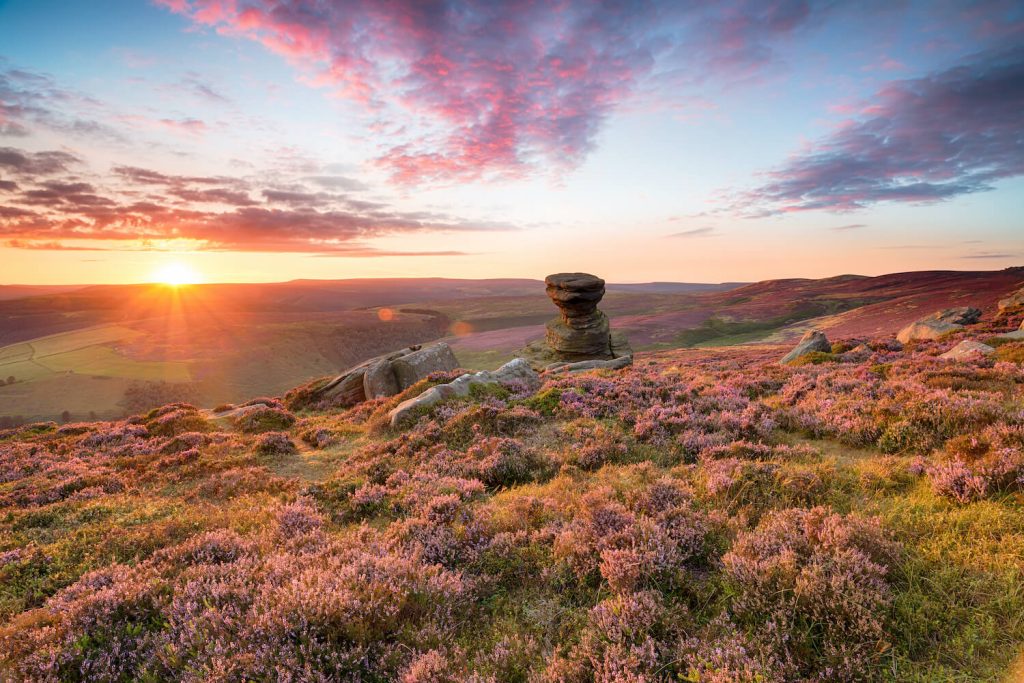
504 88
927 139
49 207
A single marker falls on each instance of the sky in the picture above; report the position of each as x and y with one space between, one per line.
269 140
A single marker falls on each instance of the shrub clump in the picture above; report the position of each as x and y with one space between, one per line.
275 443
813 585
264 419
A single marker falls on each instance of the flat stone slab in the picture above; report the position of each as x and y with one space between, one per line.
516 370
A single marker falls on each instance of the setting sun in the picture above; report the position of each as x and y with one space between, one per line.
175 274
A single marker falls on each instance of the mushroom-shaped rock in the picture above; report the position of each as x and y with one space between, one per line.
813 340
517 370
966 349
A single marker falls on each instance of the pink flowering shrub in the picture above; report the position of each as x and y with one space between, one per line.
264 419
982 465
813 585
275 443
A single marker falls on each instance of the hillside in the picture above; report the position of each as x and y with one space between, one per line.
704 515
108 351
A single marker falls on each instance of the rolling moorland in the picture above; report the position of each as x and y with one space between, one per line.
706 515
110 351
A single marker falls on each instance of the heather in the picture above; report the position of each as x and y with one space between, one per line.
707 516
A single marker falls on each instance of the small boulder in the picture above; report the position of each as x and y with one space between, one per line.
1012 303
939 324
813 340
1016 335
516 370
379 380
926 330
961 315
967 348
415 366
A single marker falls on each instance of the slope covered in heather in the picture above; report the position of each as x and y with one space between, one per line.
705 515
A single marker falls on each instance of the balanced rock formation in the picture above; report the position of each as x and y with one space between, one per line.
813 340
581 332
968 348
939 324
378 377
517 370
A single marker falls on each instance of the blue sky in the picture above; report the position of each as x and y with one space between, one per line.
258 140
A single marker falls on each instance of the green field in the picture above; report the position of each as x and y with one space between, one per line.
80 371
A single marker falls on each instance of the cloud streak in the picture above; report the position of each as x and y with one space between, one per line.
500 89
49 207
952 133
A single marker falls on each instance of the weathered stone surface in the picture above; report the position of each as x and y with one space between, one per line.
620 345
579 366
1012 303
813 340
413 367
515 371
581 332
353 386
926 330
967 348
576 294
379 379
1015 335
588 340
961 315
939 324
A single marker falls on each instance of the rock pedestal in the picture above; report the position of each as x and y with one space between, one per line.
581 332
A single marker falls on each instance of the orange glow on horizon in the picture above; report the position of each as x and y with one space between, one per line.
175 274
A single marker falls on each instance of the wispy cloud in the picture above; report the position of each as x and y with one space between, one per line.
848 226
501 89
952 133
50 207
706 231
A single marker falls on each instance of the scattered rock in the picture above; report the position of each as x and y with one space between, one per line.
413 367
1012 303
967 348
378 377
517 370
962 315
578 366
939 324
1016 334
813 340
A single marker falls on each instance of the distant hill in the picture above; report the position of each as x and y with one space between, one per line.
112 349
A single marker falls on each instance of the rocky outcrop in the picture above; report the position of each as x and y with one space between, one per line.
813 340
582 331
939 324
1013 303
378 377
515 371
966 349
